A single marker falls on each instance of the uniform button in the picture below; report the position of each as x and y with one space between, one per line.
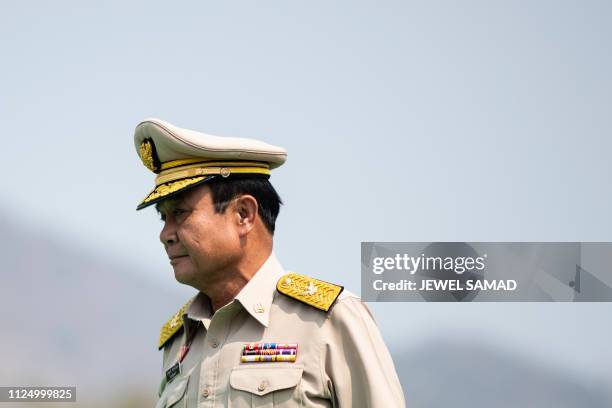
262 386
214 343
205 392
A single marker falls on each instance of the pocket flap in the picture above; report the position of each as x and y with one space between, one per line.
177 391
260 381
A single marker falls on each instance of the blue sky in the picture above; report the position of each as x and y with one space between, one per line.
404 121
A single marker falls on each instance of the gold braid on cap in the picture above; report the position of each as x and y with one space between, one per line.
177 175
223 168
165 189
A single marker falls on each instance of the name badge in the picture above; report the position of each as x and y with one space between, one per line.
173 371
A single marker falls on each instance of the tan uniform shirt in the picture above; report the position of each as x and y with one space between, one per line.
341 360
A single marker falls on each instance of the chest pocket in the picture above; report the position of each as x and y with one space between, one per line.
273 387
174 394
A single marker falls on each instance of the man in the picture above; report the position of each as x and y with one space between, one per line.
254 335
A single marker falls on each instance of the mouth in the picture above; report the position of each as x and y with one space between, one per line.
176 258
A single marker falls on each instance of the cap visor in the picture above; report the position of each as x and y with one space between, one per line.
171 189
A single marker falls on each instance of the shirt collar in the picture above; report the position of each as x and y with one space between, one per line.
255 297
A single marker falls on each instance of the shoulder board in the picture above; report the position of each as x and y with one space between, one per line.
313 292
172 326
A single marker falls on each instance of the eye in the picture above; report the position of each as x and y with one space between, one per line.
179 213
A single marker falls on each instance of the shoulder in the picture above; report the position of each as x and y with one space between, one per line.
341 310
173 326
350 305
313 292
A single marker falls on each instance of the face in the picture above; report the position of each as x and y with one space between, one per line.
200 243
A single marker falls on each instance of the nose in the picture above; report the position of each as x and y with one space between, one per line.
168 236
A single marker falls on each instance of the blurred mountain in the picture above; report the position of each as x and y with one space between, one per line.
76 317
442 373
71 317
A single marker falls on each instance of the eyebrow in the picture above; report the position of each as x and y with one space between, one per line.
169 204
165 203
157 207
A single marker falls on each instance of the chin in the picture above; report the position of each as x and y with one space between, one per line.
184 275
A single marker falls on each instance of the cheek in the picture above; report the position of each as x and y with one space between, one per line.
188 237
205 238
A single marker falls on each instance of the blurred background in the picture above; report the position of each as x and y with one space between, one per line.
404 121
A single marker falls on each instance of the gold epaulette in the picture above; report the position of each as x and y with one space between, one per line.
313 292
172 326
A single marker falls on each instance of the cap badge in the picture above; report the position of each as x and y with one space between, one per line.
148 155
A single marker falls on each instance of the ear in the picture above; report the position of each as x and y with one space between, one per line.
246 213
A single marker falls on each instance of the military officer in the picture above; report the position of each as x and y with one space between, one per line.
255 335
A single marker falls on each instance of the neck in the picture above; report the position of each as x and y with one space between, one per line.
236 277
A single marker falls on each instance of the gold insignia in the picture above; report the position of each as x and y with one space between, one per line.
310 290
172 326
169 188
259 308
313 292
146 154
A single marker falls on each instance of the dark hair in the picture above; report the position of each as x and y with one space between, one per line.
268 201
